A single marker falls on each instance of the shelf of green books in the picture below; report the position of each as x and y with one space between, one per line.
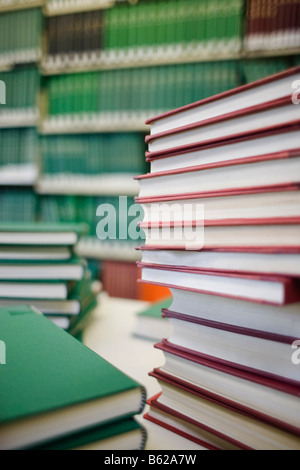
18 175
100 185
10 5
121 250
21 33
62 7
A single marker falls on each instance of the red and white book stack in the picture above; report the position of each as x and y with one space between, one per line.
222 232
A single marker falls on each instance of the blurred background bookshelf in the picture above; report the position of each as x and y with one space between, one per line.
83 76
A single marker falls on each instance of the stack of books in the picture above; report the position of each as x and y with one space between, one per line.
222 226
39 267
57 394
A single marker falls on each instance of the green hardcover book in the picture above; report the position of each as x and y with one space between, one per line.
39 234
53 386
122 435
81 296
36 289
35 253
72 270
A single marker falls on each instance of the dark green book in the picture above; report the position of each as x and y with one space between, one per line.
71 270
39 234
53 386
35 253
121 435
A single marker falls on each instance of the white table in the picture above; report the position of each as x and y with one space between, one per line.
110 334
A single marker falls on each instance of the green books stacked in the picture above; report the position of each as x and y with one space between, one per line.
20 36
58 394
39 267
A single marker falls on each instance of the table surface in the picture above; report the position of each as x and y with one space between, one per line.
110 334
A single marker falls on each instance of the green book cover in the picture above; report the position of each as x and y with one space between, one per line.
41 233
36 289
121 435
52 385
72 269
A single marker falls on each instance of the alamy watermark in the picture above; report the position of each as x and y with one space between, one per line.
182 224
2 353
2 92
296 353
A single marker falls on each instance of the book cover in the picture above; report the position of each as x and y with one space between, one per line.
74 387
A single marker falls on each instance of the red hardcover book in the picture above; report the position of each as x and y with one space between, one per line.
227 103
270 289
186 427
249 145
260 207
242 429
271 400
265 171
227 126
259 352
231 260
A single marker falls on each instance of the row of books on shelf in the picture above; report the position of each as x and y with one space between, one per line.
230 379
114 215
47 297
120 97
93 154
132 33
17 204
146 29
87 163
123 94
21 33
136 89
18 146
21 91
